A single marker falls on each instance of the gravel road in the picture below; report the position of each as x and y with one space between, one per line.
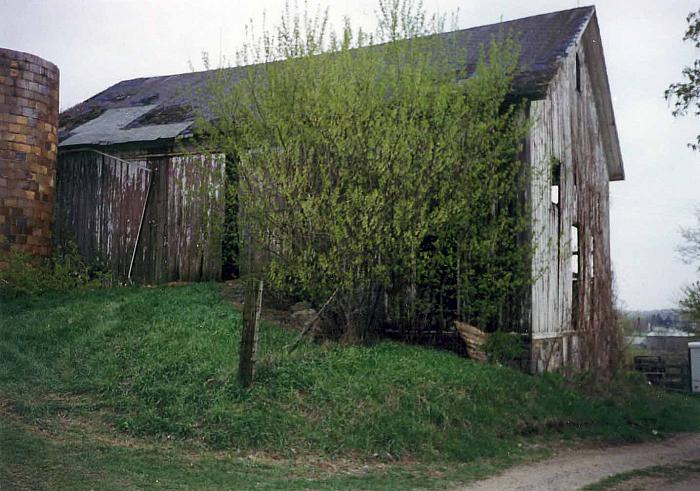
572 470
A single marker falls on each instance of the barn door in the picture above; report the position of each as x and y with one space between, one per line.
100 201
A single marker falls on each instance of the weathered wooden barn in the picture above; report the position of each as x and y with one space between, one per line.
121 184
130 195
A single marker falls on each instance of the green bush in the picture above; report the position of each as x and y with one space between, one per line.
502 347
24 274
367 169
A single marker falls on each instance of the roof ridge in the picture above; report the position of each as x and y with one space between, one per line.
590 8
544 40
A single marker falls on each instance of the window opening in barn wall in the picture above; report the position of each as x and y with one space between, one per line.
555 180
575 257
578 73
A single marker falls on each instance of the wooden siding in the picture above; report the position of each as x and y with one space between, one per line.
100 202
567 129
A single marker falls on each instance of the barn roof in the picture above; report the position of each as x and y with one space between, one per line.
161 108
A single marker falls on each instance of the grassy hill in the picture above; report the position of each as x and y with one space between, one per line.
158 365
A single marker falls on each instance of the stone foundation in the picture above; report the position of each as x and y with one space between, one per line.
560 353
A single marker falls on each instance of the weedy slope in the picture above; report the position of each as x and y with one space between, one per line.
160 364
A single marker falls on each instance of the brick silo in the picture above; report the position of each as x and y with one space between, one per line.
28 146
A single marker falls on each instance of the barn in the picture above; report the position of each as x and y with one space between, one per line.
131 195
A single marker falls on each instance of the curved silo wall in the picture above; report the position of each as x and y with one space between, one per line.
28 139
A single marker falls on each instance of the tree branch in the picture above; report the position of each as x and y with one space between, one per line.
308 326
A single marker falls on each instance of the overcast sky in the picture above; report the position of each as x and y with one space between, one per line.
97 43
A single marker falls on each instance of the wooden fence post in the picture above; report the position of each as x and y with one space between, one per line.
251 327
250 267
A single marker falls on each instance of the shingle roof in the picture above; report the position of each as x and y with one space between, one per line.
161 107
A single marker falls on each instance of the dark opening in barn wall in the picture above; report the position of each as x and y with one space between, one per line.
230 233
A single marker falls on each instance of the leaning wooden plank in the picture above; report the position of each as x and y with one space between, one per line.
474 338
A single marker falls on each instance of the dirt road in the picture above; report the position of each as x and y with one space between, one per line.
574 469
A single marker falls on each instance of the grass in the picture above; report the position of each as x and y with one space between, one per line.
159 365
658 476
31 460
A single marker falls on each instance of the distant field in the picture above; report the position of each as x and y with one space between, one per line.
120 387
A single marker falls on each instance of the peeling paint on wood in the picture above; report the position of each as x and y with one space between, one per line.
567 128
101 199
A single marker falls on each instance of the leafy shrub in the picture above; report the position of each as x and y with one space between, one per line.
23 274
502 347
366 172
